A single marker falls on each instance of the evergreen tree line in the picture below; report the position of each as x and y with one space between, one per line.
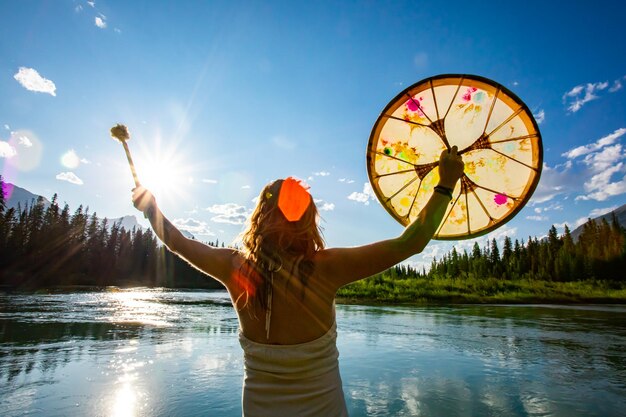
598 254
46 246
554 269
43 247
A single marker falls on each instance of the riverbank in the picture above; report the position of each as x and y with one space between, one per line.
425 291
480 291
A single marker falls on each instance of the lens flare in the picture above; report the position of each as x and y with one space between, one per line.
70 159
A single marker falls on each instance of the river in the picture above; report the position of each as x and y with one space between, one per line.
156 352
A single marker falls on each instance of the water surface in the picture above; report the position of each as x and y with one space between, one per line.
154 352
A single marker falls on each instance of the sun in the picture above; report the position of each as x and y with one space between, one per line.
161 174
164 172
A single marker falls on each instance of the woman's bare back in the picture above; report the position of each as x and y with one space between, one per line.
299 312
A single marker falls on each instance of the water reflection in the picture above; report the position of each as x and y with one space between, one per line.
159 353
128 398
483 361
124 402
140 307
111 353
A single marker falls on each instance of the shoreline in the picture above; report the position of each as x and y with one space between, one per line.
576 295
459 301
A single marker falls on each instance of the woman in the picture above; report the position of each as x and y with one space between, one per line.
283 285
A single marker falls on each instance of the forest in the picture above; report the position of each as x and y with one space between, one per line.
44 247
47 247
556 268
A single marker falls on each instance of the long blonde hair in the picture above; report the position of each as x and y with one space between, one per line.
269 238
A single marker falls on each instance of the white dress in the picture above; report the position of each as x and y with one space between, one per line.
293 380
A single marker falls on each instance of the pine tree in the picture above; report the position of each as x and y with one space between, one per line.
453 270
507 255
554 243
494 259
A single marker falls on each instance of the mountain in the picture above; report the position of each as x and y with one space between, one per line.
15 196
19 196
620 213
130 223
187 234
127 222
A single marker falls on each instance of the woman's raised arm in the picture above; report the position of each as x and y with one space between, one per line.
345 265
216 262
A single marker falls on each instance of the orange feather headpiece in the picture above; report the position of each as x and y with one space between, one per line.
293 199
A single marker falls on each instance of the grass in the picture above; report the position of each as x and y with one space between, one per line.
479 291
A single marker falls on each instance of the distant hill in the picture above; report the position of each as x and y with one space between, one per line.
20 196
620 213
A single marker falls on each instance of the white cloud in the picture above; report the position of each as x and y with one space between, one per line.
30 79
69 177
229 213
78 8
602 178
245 187
6 150
540 116
92 3
24 141
417 265
327 207
433 251
365 196
485 241
70 159
515 83
321 174
85 161
582 94
554 206
574 99
600 143
346 180
603 159
100 22
617 85
606 189
193 226
7 127
209 181
500 233
537 218
607 158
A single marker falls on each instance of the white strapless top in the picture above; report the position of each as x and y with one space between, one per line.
293 380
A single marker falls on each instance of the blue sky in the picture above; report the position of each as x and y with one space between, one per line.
223 97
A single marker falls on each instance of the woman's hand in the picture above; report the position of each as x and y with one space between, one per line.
451 168
143 200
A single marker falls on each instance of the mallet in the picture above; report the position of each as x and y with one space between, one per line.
120 132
